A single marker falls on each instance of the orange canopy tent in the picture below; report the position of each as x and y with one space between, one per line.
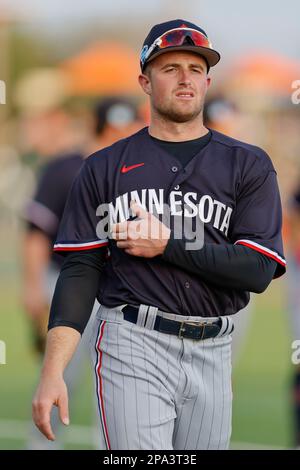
265 72
103 68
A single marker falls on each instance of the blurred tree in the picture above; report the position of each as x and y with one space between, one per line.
23 50
27 51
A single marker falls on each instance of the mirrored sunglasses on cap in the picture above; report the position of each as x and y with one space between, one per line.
176 37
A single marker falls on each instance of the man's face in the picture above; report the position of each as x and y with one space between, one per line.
177 84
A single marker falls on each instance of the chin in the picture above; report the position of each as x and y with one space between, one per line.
182 116
179 114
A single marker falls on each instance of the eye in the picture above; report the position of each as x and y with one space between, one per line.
197 70
170 69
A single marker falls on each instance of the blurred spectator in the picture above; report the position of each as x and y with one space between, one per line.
42 98
220 114
46 129
114 118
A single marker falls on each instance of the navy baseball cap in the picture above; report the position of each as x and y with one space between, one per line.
177 35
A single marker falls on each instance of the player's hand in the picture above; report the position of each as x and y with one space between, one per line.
146 236
51 391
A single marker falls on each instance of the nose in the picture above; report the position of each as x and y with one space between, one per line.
184 77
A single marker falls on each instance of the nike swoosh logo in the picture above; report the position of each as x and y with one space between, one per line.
125 168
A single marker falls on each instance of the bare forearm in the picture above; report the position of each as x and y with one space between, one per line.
61 345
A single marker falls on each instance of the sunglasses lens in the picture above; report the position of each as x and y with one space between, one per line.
179 36
176 37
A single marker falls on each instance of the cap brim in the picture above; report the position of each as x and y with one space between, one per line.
210 55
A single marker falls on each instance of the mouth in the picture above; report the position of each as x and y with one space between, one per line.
184 95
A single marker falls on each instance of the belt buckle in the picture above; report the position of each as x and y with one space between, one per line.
182 327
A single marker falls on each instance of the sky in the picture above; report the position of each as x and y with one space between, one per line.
233 26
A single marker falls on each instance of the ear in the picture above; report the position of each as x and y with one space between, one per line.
145 83
208 81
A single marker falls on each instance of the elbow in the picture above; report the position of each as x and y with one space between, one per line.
260 287
263 281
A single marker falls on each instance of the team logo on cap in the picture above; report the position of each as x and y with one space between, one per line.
144 54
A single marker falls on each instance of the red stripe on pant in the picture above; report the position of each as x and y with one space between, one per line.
100 384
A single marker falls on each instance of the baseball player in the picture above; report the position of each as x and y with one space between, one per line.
168 288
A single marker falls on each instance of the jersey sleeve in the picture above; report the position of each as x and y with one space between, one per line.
257 220
44 208
78 227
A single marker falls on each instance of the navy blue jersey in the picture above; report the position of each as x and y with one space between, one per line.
230 186
46 208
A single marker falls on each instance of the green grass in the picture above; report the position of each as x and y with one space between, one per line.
20 374
261 412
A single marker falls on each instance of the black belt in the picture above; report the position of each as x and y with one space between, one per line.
185 329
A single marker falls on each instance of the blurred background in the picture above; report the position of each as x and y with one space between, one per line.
70 72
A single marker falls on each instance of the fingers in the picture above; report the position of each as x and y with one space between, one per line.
119 235
41 417
125 230
50 392
63 408
123 244
138 210
120 227
121 230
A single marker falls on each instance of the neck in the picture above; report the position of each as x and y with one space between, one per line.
163 129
